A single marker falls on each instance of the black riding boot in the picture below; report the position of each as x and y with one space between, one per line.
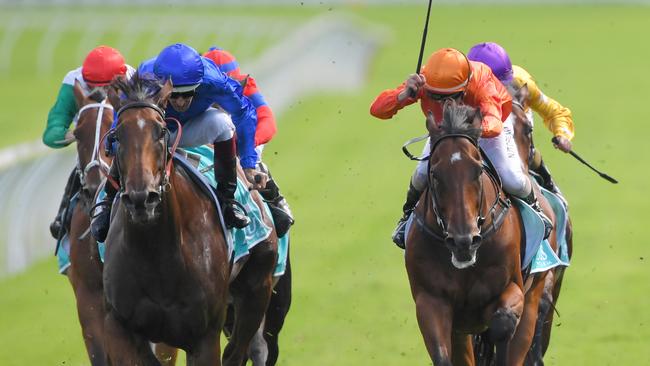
543 172
531 200
101 213
412 198
73 184
225 172
282 217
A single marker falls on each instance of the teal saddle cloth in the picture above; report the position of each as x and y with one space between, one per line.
198 164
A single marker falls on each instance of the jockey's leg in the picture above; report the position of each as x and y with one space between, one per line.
225 171
417 185
282 217
101 215
214 126
72 185
502 152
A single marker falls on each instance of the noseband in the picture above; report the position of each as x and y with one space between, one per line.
95 160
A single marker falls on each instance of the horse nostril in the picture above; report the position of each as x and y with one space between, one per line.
476 240
153 198
449 241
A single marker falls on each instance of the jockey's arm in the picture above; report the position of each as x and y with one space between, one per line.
243 115
494 109
266 125
60 117
387 103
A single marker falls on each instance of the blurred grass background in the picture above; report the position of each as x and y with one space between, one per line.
345 177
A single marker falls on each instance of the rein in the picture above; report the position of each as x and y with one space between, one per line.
496 221
95 160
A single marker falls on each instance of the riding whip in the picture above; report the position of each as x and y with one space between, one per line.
602 175
424 41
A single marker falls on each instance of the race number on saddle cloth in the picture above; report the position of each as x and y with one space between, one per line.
198 165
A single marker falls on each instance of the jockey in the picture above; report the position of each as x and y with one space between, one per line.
557 118
266 129
448 74
197 85
97 71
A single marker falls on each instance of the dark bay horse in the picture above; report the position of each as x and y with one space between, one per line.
553 284
166 271
463 252
93 120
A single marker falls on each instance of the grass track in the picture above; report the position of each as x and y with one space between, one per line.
345 178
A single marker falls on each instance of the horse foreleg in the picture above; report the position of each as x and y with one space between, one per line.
207 352
125 348
523 337
166 354
435 320
535 355
258 351
276 313
251 292
462 350
504 317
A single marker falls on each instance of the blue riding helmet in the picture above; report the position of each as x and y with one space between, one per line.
181 63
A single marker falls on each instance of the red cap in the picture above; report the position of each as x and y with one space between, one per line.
102 64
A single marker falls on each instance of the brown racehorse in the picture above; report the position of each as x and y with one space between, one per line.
463 252
524 137
85 271
166 270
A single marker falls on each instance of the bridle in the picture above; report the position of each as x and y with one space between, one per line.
497 219
168 154
95 160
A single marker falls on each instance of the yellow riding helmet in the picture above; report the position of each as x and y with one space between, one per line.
447 71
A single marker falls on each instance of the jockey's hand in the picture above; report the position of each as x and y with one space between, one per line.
67 140
562 143
256 178
413 85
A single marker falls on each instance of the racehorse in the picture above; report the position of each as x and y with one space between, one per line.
463 251
523 129
93 120
166 270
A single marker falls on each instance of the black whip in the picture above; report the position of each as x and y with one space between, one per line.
602 175
424 41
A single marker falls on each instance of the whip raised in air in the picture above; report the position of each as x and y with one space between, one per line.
424 41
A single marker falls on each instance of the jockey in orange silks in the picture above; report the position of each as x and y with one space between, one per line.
448 74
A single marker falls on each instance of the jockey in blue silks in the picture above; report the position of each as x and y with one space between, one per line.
197 85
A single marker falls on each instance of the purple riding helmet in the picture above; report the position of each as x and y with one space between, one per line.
495 57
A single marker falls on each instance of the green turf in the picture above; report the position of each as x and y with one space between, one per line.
345 177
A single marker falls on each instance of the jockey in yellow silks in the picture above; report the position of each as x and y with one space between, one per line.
557 118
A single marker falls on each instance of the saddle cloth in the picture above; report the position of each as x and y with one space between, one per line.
197 163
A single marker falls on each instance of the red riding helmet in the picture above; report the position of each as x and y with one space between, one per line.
101 65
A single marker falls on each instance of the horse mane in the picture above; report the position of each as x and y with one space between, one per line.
139 88
457 120
97 95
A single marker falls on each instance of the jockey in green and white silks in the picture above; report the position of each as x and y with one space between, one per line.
98 69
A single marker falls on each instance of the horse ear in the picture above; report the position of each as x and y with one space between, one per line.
113 97
164 93
522 95
79 94
432 126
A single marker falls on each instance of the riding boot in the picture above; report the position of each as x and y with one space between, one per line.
101 212
282 216
543 172
225 172
72 185
412 198
531 200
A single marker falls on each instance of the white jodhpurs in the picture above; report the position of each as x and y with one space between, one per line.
502 152
211 126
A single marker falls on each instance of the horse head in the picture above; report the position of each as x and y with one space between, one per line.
455 184
142 154
93 120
